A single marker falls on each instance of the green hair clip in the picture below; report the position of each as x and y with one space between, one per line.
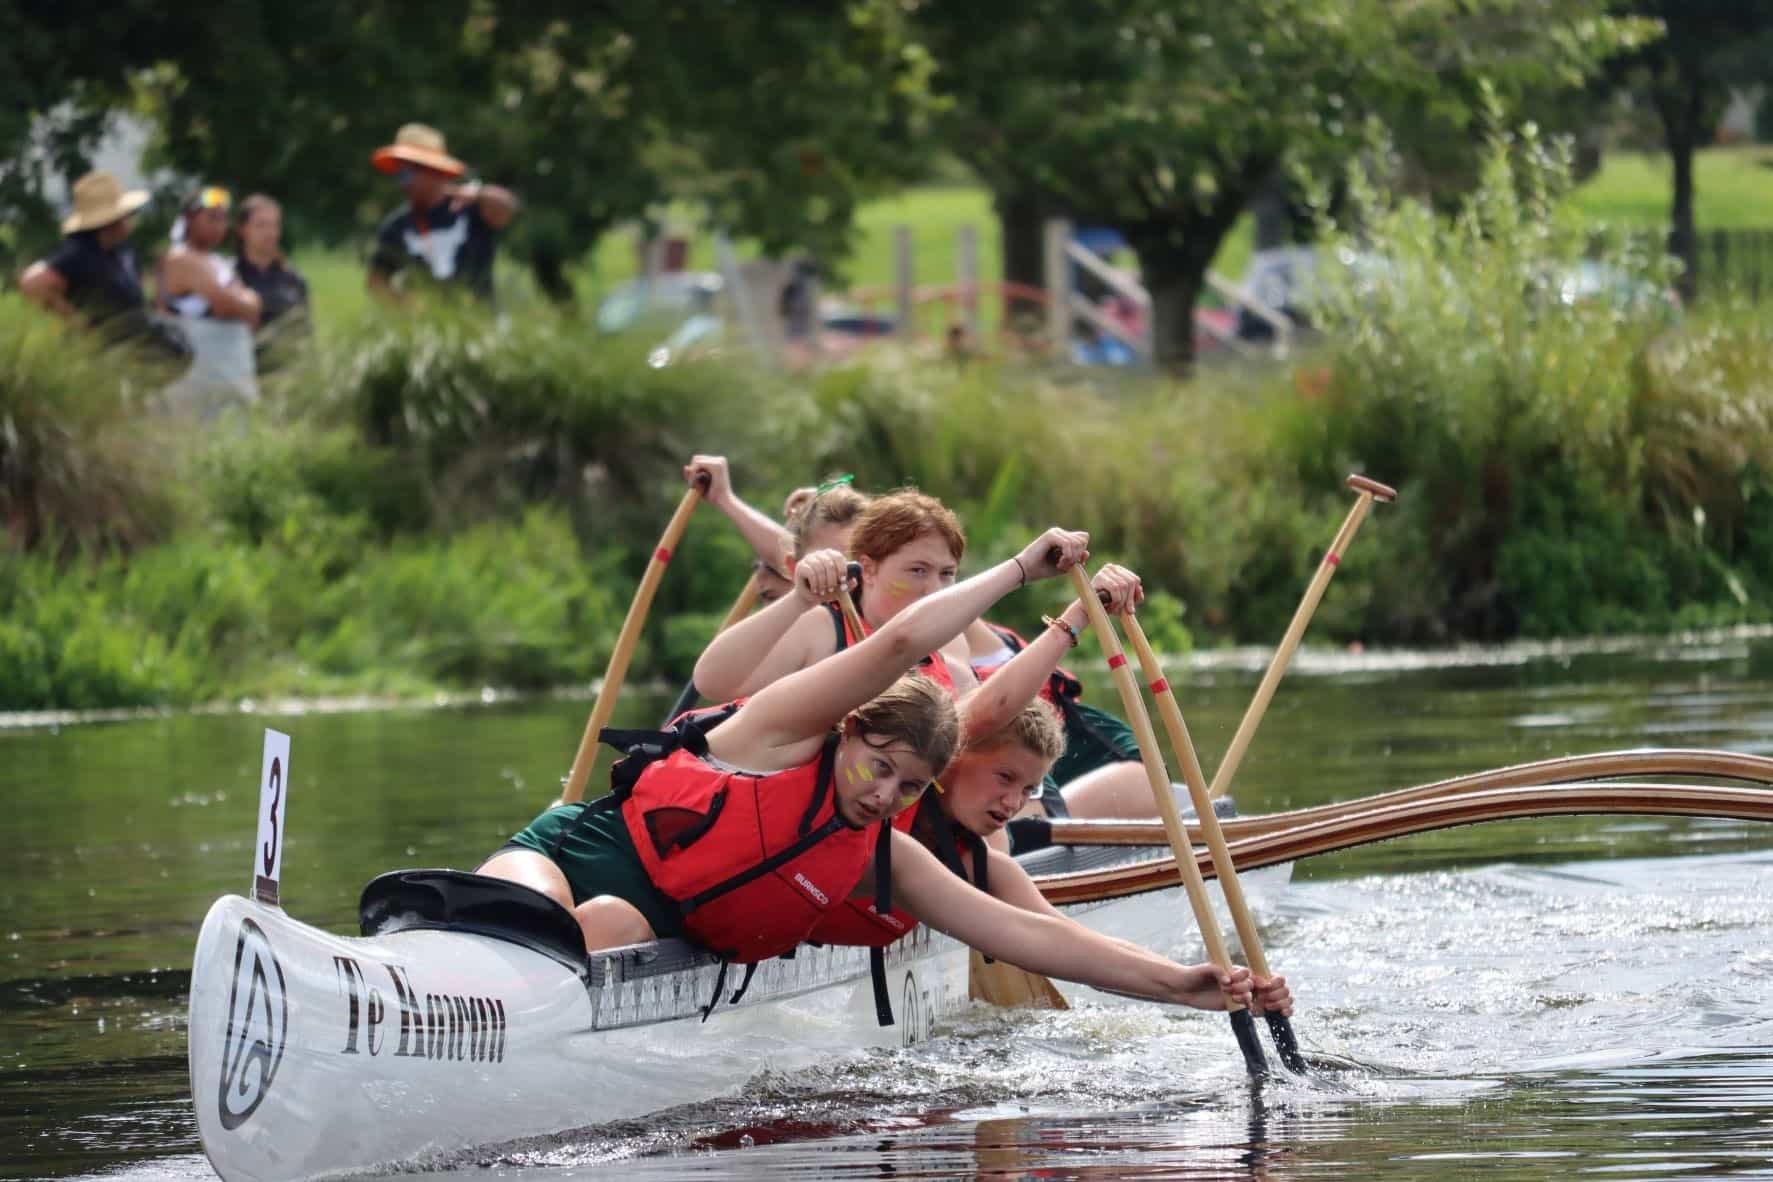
846 478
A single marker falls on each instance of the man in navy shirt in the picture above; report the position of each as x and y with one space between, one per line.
91 278
92 275
447 232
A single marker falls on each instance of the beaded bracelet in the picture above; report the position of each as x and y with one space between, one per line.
1061 623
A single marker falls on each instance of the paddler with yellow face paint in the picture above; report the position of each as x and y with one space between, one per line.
782 766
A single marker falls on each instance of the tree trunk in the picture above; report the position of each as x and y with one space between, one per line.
1683 98
1019 218
1174 284
1274 219
1683 236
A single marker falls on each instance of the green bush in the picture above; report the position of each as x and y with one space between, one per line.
1551 450
79 465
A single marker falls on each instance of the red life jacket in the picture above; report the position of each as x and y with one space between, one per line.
1062 686
860 922
700 830
933 666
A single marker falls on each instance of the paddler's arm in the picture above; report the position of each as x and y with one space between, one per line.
767 538
1056 947
1011 883
806 704
786 636
1024 675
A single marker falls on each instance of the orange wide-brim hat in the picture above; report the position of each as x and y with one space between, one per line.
418 145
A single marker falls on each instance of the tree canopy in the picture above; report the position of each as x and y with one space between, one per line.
1161 117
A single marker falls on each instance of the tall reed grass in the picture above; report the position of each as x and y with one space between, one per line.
1555 447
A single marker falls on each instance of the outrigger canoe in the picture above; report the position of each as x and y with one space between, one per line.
468 1013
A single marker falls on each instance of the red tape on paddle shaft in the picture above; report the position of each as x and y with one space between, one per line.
1333 560
662 554
1161 686
1117 660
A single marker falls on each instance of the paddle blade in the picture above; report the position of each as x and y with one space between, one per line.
1244 1027
1006 985
1280 1029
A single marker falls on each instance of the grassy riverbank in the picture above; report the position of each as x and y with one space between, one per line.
437 500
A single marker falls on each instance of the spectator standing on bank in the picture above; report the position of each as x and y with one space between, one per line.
91 278
282 292
217 312
448 231
261 264
196 282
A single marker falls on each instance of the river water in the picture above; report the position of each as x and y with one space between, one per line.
1527 999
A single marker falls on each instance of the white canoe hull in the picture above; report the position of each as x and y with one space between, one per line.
314 1055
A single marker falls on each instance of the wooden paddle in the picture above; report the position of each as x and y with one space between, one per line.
1242 1024
742 605
1240 742
1280 1027
625 642
1003 984
741 608
846 602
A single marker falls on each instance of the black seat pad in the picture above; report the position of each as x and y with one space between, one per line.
456 901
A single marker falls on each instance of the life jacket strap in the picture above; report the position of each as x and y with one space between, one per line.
780 858
744 984
823 783
719 984
883 1000
883 870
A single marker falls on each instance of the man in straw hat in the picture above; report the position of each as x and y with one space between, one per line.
447 231
92 276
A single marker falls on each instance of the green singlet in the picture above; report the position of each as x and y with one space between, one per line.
1093 739
598 858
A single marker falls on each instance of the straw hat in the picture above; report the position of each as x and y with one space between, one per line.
417 144
99 200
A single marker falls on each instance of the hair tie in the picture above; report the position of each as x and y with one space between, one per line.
846 478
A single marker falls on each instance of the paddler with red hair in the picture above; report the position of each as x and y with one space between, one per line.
806 775
909 545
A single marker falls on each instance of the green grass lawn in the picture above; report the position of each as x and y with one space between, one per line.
1734 190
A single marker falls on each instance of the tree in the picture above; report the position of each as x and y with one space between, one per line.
774 119
1163 117
1686 75
62 70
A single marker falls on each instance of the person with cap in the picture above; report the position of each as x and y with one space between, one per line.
91 278
447 231
217 312
195 281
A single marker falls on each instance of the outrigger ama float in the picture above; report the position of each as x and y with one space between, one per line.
468 1012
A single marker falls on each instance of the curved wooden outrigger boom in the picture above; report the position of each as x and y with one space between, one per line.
1501 795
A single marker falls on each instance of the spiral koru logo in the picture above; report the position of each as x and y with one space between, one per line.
258 1028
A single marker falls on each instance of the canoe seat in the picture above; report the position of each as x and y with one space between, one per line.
456 901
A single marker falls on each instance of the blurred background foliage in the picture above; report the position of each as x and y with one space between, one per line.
437 498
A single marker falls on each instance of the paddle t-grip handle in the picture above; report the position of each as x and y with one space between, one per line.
1380 492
